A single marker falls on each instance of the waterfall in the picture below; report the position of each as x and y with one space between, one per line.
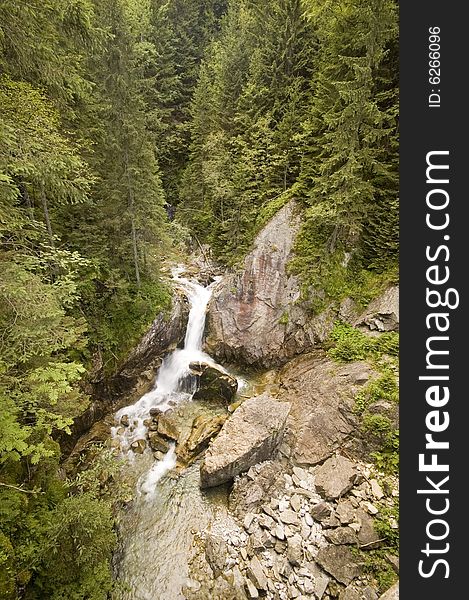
173 382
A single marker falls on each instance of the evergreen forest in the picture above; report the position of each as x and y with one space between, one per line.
131 130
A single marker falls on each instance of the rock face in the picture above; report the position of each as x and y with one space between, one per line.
213 384
256 315
253 317
382 313
322 393
249 436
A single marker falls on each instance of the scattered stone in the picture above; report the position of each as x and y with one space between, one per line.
341 535
216 552
256 574
279 532
339 562
138 446
251 589
352 593
125 421
371 508
320 512
376 489
248 519
367 536
295 550
155 412
249 436
335 477
345 512
309 520
289 517
295 502
167 428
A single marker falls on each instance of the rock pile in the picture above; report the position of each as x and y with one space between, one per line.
297 541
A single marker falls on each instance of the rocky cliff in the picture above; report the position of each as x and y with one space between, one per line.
257 316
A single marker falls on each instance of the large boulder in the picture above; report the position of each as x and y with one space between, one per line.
249 436
213 383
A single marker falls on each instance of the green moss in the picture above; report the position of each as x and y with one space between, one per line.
284 319
375 564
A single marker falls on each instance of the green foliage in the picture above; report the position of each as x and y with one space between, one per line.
350 344
375 564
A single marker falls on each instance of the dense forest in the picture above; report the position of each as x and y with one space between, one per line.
128 129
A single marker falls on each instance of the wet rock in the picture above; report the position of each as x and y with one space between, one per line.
157 443
249 436
167 428
138 446
125 421
335 477
213 383
203 430
155 412
339 562
392 593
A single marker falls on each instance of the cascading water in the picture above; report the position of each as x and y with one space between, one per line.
156 531
173 382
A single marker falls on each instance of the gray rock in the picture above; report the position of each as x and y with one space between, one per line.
295 550
368 538
204 428
352 593
289 517
249 436
322 394
392 593
213 383
339 562
335 477
295 502
341 535
216 552
256 574
321 511
345 512
246 319
251 589
382 313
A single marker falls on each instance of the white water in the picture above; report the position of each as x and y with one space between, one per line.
173 382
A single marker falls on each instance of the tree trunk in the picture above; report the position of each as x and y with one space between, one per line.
46 215
132 220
